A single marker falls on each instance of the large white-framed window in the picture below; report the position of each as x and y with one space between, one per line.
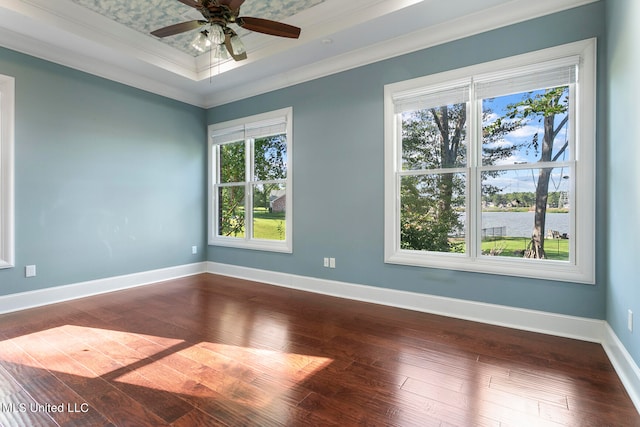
251 182
7 123
491 168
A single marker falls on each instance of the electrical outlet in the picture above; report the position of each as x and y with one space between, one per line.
326 262
630 320
194 250
332 263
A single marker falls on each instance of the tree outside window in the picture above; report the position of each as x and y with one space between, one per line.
483 167
251 182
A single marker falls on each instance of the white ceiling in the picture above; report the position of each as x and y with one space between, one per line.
109 38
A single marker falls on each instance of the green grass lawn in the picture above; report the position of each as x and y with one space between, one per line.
268 225
271 226
556 249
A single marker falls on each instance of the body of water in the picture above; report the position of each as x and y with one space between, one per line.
520 224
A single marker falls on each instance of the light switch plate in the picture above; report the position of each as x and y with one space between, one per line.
30 271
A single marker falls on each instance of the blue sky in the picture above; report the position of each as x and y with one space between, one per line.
525 180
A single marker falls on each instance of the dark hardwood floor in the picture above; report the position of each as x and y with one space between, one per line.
211 350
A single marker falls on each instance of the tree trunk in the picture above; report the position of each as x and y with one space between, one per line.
535 248
449 146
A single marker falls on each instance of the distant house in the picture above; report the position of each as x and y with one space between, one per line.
278 201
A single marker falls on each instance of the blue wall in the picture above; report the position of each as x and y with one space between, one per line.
338 173
623 172
109 180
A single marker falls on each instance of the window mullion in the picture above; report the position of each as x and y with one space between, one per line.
473 175
248 198
398 180
573 146
418 172
215 158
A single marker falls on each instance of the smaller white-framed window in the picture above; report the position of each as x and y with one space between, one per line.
491 168
250 190
7 123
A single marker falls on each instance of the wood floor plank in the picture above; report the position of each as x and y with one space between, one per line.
16 411
210 350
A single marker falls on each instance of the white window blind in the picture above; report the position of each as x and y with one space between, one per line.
223 136
416 100
275 126
264 128
541 76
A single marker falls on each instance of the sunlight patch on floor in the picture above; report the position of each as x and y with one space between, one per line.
164 364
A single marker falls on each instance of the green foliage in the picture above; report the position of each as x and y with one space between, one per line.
231 211
544 106
268 225
521 199
557 249
231 198
232 162
435 138
432 139
270 163
270 158
425 222
269 167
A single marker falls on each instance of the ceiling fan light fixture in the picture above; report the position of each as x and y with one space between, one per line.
220 52
201 41
217 15
217 34
237 45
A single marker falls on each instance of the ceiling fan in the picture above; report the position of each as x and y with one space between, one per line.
218 14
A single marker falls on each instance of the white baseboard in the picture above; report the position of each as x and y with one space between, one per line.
531 320
30 299
625 366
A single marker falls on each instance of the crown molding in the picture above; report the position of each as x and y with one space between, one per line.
81 29
489 19
84 40
97 67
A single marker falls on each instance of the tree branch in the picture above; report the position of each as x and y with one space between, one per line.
564 147
560 126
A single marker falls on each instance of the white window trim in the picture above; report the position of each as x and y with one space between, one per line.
248 242
581 269
7 132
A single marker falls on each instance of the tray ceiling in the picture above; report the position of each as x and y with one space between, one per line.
146 16
110 38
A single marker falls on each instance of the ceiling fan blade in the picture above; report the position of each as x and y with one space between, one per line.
178 28
232 4
191 3
267 26
227 43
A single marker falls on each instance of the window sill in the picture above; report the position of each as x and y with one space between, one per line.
256 245
525 268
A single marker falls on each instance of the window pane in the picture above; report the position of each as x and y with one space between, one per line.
526 127
231 214
270 158
232 162
269 211
433 212
520 205
434 138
